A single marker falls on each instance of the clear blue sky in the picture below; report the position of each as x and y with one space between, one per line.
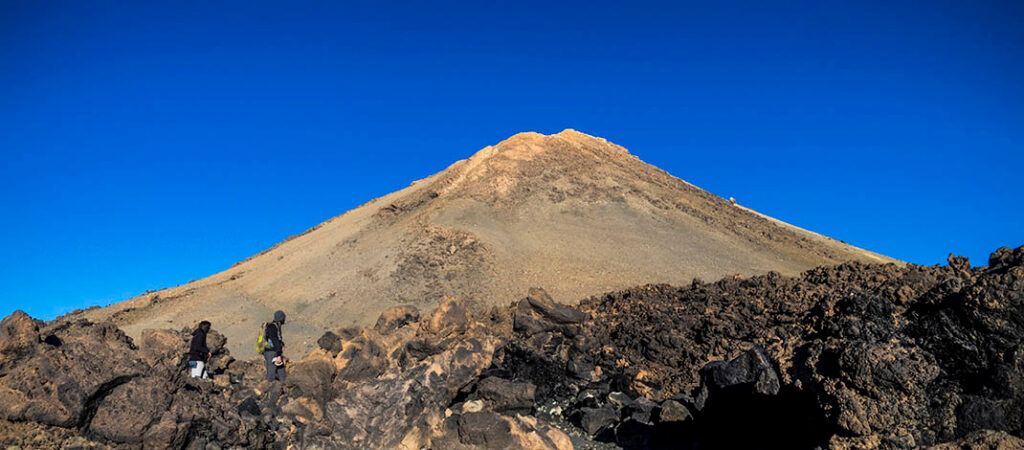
145 145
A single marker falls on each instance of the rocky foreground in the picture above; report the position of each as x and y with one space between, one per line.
845 357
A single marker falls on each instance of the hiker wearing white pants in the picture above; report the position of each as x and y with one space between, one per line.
198 352
198 369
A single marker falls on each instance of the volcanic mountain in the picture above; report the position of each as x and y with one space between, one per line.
572 213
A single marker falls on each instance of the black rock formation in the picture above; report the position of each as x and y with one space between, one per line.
844 357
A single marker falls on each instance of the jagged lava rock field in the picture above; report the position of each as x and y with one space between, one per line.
847 356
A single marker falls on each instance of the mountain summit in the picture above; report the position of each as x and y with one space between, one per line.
572 213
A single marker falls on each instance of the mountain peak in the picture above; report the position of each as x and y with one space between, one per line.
528 145
567 134
572 134
569 212
529 162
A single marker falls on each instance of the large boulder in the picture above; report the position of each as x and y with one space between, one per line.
402 408
1005 258
504 395
216 342
87 383
673 411
490 430
485 429
396 317
449 317
55 384
161 346
984 440
594 420
330 343
542 303
19 335
750 368
538 312
126 412
313 378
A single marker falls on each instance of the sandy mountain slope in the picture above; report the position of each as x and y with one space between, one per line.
574 214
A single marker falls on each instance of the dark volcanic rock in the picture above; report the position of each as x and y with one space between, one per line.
99 385
847 357
984 440
504 395
330 343
395 317
751 367
545 306
19 336
673 411
593 420
126 412
538 313
312 378
619 400
642 411
367 414
1005 257
485 429
872 355
420 349
249 406
61 386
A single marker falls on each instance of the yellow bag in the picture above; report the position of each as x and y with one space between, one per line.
261 341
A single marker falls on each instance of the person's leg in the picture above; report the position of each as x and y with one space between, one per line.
206 376
271 368
281 373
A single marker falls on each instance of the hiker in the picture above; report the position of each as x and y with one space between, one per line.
274 348
198 353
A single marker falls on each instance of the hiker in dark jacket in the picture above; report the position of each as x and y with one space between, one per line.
198 352
275 348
